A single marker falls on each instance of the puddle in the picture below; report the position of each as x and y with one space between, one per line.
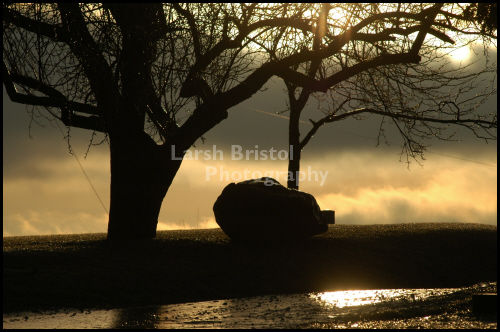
364 297
254 312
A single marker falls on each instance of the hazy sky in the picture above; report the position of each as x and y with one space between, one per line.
46 192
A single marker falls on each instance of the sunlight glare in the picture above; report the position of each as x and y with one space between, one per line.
460 54
341 299
336 14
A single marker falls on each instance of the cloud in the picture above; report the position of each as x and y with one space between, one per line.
362 186
247 126
451 194
53 222
207 222
45 191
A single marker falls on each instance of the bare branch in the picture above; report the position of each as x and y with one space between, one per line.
86 50
432 13
57 33
405 115
54 99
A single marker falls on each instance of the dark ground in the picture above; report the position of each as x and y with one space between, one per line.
87 271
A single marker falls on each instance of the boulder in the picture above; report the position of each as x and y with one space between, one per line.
264 210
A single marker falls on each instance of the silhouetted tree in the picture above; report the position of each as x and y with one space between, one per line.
373 72
483 13
130 70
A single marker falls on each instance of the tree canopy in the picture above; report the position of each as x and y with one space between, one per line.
424 100
116 67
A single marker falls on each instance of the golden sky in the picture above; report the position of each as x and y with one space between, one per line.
366 186
45 191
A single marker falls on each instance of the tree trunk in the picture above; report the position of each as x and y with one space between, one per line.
294 166
141 173
294 146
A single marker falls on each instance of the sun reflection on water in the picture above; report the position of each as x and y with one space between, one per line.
341 299
272 311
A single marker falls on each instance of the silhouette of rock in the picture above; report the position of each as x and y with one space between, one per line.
264 210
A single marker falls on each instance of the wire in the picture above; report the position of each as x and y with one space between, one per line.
472 161
370 138
74 154
279 116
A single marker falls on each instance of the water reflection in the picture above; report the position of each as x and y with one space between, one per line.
60 319
343 299
276 311
138 318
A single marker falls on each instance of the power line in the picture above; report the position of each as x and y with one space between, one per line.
472 161
277 115
95 191
74 154
370 138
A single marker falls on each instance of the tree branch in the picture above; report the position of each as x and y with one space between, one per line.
54 99
310 134
383 60
203 60
401 115
336 44
259 77
192 25
54 32
417 44
379 17
88 53
281 68
410 30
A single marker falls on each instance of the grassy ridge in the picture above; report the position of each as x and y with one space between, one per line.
87 271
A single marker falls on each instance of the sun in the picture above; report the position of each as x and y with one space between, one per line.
460 54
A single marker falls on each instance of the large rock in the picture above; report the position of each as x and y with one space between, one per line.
264 210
